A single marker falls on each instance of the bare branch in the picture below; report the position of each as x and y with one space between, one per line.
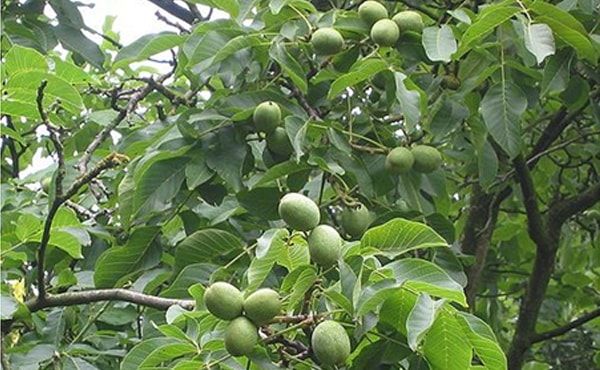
110 161
166 20
12 148
557 125
98 295
105 133
175 10
565 328
534 217
566 208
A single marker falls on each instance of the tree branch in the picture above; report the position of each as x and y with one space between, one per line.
110 161
175 10
565 328
14 154
535 222
561 211
166 20
98 295
105 133
556 126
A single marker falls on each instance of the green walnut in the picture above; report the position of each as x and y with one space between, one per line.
385 33
450 82
327 41
279 143
399 160
299 211
324 245
409 21
267 116
240 337
427 158
46 182
371 12
262 306
224 301
356 220
330 343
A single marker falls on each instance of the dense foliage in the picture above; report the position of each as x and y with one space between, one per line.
303 184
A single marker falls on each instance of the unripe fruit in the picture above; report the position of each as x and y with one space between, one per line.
399 160
427 158
267 116
327 41
324 245
240 337
330 343
46 182
224 301
450 82
279 143
262 305
409 21
385 33
299 212
371 12
356 220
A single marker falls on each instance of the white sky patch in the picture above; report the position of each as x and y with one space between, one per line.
38 163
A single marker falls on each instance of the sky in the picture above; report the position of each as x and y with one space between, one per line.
135 18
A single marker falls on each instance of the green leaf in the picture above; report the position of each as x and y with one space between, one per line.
395 310
71 73
155 351
539 41
487 161
439 43
299 281
66 241
141 252
231 7
361 71
226 157
556 73
23 86
22 59
486 22
501 108
409 100
546 9
268 249
290 66
423 276
293 254
239 43
280 170
419 320
147 46
400 236
189 275
444 346
158 184
196 171
581 43
8 306
261 202
74 40
205 246
483 340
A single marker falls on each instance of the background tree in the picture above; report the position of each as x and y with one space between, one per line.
167 179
